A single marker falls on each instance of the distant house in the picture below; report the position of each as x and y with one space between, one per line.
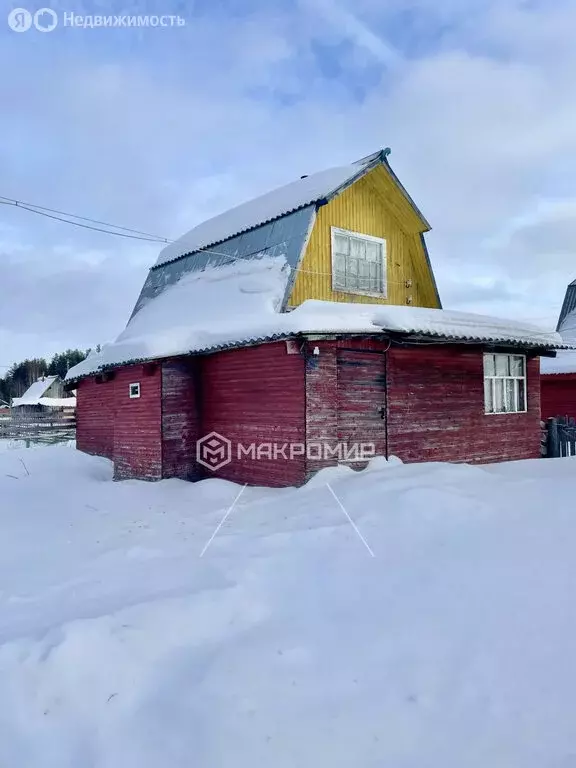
298 329
558 375
45 395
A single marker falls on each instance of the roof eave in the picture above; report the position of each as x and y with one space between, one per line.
407 337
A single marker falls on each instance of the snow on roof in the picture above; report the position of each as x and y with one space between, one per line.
565 361
239 304
35 391
278 202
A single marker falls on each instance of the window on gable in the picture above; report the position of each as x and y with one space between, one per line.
505 383
358 263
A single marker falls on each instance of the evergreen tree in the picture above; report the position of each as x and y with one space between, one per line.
62 362
25 373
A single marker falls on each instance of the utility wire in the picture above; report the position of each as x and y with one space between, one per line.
82 218
135 234
52 213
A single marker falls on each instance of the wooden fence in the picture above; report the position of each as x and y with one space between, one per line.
42 427
561 437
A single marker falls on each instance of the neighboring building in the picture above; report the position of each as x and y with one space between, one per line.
282 332
558 375
45 395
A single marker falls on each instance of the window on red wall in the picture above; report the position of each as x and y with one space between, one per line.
505 383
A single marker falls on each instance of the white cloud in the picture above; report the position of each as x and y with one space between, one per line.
350 26
482 126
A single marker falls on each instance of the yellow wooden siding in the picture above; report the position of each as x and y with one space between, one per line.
372 206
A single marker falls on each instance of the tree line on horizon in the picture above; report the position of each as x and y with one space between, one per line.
21 375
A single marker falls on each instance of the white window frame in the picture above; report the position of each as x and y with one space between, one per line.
383 294
499 377
137 393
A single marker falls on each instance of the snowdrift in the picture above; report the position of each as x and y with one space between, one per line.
287 644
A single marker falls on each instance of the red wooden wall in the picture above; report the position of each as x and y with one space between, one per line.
436 409
95 417
180 418
434 400
362 394
276 393
137 426
321 400
558 393
256 395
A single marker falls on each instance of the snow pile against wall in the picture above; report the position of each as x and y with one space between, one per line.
287 644
239 303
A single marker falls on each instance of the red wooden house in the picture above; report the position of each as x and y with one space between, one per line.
302 330
558 375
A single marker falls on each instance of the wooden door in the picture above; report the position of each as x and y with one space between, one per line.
361 400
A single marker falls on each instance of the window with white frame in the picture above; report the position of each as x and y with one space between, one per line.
504 383
134 391
358 263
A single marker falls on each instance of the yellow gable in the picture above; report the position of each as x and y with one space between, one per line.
367 246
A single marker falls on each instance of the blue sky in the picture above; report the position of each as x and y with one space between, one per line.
158 129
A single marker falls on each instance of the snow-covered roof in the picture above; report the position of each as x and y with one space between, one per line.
35 391
565 361
314 188
238 304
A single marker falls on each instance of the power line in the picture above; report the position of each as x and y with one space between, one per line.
52 213
82 218
136 234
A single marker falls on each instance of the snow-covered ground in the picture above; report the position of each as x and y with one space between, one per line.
287 644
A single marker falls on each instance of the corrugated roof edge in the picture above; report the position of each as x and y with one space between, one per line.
568 305
395 335
294 272
371 161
